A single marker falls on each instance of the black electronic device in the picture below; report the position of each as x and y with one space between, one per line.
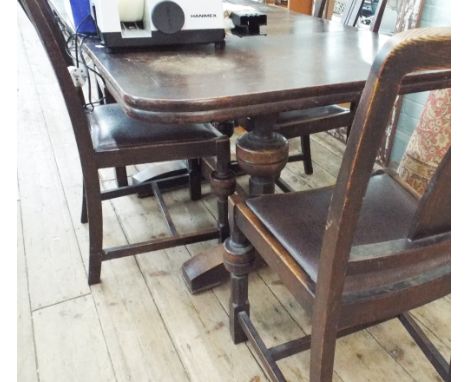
247 22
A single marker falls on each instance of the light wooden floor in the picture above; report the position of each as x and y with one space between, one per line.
140 323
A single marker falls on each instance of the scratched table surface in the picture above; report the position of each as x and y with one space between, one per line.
300 62
298 57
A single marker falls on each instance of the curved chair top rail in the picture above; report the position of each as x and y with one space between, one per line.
407 52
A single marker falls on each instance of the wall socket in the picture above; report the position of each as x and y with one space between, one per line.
78 75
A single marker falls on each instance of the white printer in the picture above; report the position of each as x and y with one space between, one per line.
138 23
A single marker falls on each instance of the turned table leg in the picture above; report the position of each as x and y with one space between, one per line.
262 154
239 261
206 269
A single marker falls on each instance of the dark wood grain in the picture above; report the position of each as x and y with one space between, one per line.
258 69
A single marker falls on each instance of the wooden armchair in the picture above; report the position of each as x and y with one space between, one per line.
107 138
362 252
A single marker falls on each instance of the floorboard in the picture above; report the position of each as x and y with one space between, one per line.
70 344
50 244
26 353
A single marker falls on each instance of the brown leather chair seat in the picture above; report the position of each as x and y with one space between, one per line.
310 121
298 220
111 129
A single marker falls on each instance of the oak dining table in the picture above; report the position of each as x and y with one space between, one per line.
297 62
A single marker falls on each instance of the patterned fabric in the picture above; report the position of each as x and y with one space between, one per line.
428 143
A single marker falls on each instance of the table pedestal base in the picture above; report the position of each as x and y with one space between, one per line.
171 175
205 270
262 154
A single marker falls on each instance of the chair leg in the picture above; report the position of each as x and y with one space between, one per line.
325 318
194 172
121 176
322 356
238 260
307 155
223 183
84 207
430 351
93 195
95 262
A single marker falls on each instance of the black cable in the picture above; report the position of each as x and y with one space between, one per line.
101 88
87 72
89 68
79 54
98 102
83 61
77 29
86 68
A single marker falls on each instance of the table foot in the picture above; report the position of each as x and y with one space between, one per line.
205 270
170 175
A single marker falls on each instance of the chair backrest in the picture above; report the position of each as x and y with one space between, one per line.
42 17
433 215
353 9
407 52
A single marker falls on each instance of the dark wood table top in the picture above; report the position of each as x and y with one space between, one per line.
301 62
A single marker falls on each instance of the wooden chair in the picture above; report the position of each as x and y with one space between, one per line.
190 173
303 123
362 252
107 138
